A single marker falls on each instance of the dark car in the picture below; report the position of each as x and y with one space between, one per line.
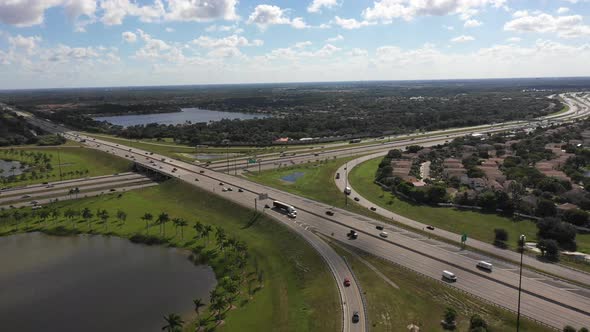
346 282
196 179
373 208
201 171
352 234
355 317
430 227
330 213
221 183
266 206
357 199
240 190
379 227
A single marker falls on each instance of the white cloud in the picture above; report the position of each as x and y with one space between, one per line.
563 10
316 5
24 13
357 52
462 39
388 10
471 23
564 26
350 23
27 44
514 40
115 11
201 10
129 36
303 44
230 41
298 51
335 39
266 15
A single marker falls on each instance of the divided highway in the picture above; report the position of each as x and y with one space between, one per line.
547 301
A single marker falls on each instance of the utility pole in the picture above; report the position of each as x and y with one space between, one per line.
227 155
59 163
521 241
345 184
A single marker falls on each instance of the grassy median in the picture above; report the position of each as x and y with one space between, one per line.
420 300
299 293
74 162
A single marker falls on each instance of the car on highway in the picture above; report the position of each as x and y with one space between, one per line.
240 190
485 265
379 227
36 207
201 171
34 202
49 186
346 282
26 196
224 189
229 189
197 180
355 317
330 213
352 234
430 227
337 176
357 199
221 183
448 275
372 208
383 234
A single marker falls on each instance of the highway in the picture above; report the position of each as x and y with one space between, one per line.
551 303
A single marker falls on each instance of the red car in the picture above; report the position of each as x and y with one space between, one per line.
346 282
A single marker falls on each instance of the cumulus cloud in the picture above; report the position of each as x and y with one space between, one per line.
335 39
316 5
201 10
358 52
350 23
266 15
26 44
462 39
471 23
225 47
388 10
24 13
299 51
514 40
564 26
129 36
563 10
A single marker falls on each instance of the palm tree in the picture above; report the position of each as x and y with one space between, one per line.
173 323
147 217
198 304
104 216
206 231
198 226
122 216
87 215
176 223
182 223
162 220
55 213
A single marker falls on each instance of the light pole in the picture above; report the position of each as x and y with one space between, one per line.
521 241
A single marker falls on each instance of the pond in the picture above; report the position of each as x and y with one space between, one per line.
6 167
193 115
94 283
292 177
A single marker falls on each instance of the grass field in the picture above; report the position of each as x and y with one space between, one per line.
421 300
299 293
73 158
477 225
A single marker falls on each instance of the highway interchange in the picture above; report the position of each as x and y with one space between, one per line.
549 301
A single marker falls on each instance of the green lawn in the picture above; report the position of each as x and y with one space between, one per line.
299 293
421 300
87 162
477 225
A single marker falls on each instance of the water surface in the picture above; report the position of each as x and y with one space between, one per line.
94 284
6 166
194 115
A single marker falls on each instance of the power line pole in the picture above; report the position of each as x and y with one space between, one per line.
521 240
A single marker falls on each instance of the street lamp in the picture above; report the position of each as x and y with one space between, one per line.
521 241
346 184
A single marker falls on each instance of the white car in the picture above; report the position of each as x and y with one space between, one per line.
224 189
383 234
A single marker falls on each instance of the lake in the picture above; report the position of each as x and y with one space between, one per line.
7 165
193 115
94 283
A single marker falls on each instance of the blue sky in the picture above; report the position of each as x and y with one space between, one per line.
73 43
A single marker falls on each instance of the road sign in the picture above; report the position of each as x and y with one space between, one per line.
252 161
464 238
262 196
